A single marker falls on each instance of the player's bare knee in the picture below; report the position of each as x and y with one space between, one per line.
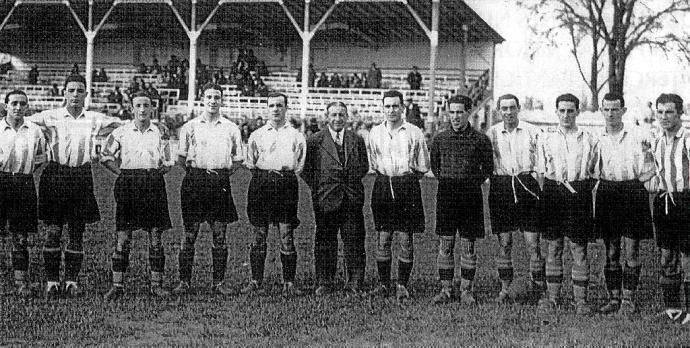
406 247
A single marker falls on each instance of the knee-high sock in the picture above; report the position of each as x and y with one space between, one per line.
220 261
289 262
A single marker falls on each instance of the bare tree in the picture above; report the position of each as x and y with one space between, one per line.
614 27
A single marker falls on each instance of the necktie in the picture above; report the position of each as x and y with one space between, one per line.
337 139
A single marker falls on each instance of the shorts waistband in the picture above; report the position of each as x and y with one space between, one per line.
221 171
148 171
275 172
16 175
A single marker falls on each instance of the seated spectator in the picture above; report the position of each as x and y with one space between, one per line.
312 127
344 81
55 91
322 81
115 97
220 77
124 112
335 81
374 77
94 76
33 75
75 69
262 70
102 76
153 92
142 68
261 88
357 81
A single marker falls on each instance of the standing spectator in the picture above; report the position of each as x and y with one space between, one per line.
357 81
75 69
413 115
374 77
103 77
414 78
142 69
262 70
261 88
33 75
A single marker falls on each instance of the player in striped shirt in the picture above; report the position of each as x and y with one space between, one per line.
22 149
140 196
671 205
566 159
514 192
625 169
66 187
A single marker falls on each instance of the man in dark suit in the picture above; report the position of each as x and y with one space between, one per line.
334 167
412 114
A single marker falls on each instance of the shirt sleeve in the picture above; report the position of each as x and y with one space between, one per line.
435 156
648 169
486 158
371 150
252 151
300 156
111 149
185 140
420 162
236 137
40 150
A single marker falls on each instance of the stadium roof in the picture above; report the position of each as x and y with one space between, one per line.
371 22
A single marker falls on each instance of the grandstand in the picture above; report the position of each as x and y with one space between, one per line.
343 36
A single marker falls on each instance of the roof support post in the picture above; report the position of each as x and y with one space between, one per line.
463 55
90 38
433 37
193 39
306 52
9 14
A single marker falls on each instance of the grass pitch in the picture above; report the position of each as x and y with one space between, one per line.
334 320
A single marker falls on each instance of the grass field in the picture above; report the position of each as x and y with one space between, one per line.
204 319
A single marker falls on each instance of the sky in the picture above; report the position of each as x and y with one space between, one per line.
554 71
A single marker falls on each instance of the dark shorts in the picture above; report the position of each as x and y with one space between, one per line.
622 210
272 198
65 194
141 200
18 202
207 196
396 203
506 214
673 228
566 214
459 208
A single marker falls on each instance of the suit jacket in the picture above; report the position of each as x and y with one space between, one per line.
330 178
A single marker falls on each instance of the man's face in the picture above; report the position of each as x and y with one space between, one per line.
337 117
213 100
75 93
668 116
567 113
141 108
458 116
392 109
408 102
509 110
612 111
17 106
277 109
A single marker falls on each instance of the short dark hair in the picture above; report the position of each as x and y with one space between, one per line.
211 85
15 92
507 97
75 78
671 98
461 99
140 94
336 103
568 97
275 95
392 94
613 96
